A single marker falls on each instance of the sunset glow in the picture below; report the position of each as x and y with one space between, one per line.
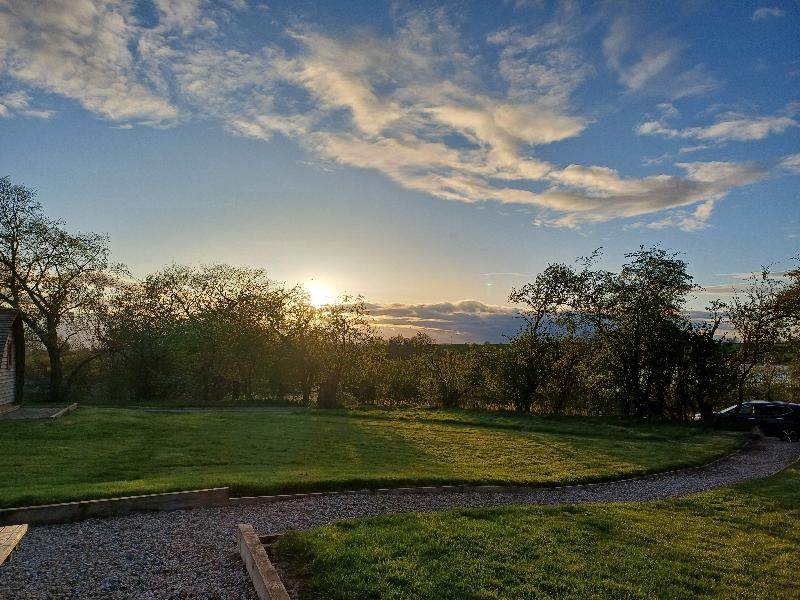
319 293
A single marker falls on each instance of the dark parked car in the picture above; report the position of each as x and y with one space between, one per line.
775 419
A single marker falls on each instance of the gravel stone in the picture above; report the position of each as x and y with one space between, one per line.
191 554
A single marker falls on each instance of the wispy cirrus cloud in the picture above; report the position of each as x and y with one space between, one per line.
653 64
763 13
791 163
728 127
605 193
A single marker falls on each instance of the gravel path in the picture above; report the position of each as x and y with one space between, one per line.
192 553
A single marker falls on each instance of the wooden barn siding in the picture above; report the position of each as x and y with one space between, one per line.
7 376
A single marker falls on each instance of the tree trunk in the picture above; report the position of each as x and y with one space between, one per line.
306 382
74 373
56 373
741 384
328 392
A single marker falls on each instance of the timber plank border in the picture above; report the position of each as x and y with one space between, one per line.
7 408
265 578
9 538
67 409
65 512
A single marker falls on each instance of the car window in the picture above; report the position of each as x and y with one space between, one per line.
747 409
771 410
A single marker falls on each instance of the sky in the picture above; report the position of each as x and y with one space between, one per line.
428 156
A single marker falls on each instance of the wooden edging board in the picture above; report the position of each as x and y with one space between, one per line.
64 410
7 408
265 578
9 538
75 511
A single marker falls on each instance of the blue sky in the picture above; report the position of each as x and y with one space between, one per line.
422 154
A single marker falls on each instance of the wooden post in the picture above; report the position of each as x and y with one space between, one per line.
265 578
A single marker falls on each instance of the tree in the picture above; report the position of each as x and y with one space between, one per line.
405 367
454 374
704 370
531 355
345 329
638 316
56 279
762 316
633 324
787 302
302 335
215 331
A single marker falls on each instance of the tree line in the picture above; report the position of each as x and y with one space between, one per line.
591 341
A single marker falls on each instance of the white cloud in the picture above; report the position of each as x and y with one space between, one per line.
651 65
668 110
184 15
600 194
79 50
768 12
419 105
729 127
790 163
19 103
743 128
546 64
464 321
696 148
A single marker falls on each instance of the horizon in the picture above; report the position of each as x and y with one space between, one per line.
428 158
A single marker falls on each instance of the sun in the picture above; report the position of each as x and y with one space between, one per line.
319 293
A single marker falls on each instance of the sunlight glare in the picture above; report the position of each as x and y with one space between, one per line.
319 293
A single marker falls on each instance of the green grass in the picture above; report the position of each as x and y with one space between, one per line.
97 452
740 542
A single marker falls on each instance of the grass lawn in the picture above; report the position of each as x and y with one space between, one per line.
96 452
740 542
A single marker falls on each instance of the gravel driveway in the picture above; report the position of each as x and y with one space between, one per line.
192 553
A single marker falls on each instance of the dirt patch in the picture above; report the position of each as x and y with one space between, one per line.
292 583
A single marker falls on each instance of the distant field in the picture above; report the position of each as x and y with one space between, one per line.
740 542
97 452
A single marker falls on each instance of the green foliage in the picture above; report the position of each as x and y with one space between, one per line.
602 342
113 452
345 336
592 342
739 542
765 315
212 332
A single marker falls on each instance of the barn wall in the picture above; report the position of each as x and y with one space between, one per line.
7 375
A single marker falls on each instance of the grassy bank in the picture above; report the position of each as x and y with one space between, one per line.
740 542
98 452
